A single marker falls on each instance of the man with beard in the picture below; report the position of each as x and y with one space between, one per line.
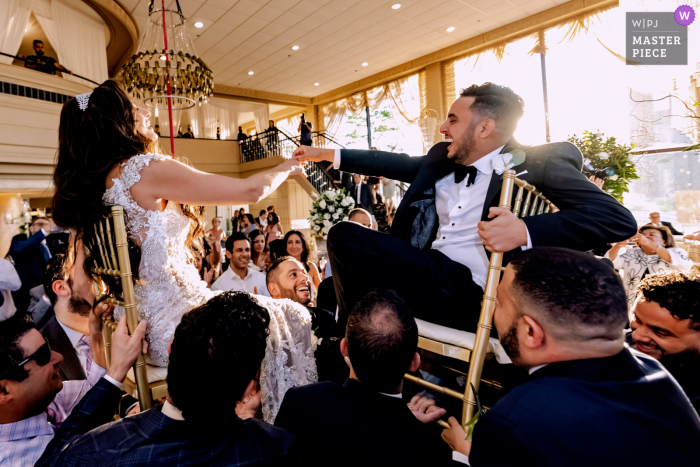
666 326
43 63
287 278
437 255
560 314
67 331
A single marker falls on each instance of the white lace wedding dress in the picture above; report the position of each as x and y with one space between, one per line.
169 286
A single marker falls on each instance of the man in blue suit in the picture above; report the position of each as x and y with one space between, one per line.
590 400
30 256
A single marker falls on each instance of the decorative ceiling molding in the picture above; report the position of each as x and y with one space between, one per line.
260 96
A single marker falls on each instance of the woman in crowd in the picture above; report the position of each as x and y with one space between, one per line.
654 252
213 238
257 247
296 247
108 155
273 230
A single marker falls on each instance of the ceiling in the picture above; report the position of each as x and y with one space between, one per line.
334 36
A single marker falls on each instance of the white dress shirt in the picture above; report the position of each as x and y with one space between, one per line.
74 338
230 281
459 209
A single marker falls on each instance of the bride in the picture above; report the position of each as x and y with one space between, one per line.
107 155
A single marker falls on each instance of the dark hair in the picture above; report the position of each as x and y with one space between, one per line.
234 237
278 249
262 211
273 273
220 344
677 291
11 331
275 218
382 338
270 207
250 218
90 143
357 211
497 102
252 236
36 41
669 241
305 249
55 271
580 296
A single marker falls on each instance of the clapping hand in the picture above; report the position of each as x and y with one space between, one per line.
208 275
504 232
425 410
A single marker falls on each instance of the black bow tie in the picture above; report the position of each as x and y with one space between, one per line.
462 171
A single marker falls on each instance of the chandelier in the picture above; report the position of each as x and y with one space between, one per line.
165 66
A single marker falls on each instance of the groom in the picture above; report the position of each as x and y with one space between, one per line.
437 255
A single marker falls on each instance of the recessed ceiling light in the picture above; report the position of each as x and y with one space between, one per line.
365 64
450 29
198 24
295 47
317 84
395 6
251 72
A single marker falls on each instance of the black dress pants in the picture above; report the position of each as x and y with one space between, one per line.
435 288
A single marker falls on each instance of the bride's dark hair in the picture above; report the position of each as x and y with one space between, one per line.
90 143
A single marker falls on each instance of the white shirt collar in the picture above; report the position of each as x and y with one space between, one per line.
170 411
535 368
396 396
234 276
484 164
73 335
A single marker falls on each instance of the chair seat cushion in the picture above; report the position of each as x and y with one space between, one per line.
459 338
155 374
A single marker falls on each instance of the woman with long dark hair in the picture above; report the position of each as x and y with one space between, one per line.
273 229
257 248
108 155
296 247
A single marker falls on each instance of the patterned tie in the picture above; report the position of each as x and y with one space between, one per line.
84 346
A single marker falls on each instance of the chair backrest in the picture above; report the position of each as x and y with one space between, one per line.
108 261
528 202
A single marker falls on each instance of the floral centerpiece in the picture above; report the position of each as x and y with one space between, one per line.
329 208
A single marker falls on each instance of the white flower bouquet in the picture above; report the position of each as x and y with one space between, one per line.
329 208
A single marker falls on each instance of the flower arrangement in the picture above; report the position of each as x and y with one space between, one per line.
605 156
329 208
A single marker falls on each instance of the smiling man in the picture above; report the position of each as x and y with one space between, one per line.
239 277
666 326
437 255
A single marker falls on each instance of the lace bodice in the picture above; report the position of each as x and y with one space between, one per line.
168 284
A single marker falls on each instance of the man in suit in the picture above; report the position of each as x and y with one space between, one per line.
39 304
362 194
589 400
449 222
30 256
656 221
365 421
220 344
666 326
67 330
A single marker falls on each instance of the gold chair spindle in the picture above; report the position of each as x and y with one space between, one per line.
535 204
518 201
526 206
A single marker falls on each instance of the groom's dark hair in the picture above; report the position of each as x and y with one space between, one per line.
217 350
496 102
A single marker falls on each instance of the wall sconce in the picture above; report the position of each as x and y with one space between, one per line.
8 218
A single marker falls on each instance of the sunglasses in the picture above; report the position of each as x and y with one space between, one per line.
42 357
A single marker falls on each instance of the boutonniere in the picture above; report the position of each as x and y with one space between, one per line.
508 160
315 341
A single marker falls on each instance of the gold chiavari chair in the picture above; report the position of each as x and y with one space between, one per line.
108 261
467 347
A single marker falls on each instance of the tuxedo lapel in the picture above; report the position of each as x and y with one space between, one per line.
496 182
424 227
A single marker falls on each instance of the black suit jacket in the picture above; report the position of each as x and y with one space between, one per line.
152 439
355 426
622 410
366 200
588 217
70 368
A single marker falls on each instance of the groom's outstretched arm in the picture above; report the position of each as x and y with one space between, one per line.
375 163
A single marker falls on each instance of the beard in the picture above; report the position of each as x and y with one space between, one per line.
292 295
510 342
79 306
466 146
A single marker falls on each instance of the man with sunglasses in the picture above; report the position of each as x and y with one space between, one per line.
34 401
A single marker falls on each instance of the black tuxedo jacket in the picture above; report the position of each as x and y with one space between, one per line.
355 426
622 410
366 201
70 368
588 217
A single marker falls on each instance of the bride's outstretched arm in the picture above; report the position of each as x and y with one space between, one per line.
174 181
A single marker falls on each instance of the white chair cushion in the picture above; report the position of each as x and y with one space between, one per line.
155 373
458 338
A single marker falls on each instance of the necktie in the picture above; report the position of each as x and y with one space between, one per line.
45 251
84 349
462 171
358 193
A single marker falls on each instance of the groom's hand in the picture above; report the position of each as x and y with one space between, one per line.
307 153
504 232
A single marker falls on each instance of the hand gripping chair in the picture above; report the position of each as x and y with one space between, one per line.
466 346
109 262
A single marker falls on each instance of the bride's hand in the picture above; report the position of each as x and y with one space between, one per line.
294 166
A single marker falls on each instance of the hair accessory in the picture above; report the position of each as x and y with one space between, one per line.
83 100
